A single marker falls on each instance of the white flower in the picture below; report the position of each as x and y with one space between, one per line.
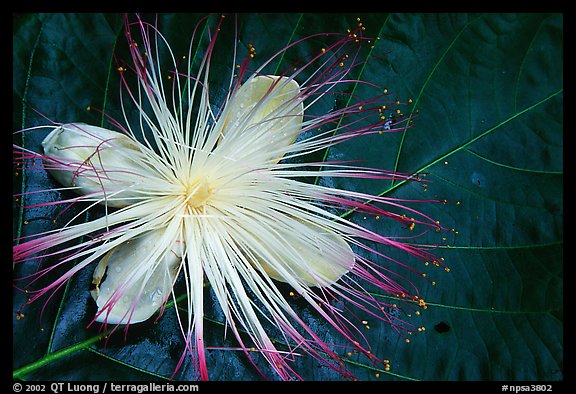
205 196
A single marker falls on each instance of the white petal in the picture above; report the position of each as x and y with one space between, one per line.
262 118
96 161
139 279
314 255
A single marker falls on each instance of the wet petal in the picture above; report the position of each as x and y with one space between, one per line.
96 161
315 255
263 117
138 280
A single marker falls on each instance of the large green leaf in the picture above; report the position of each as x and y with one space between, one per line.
487 95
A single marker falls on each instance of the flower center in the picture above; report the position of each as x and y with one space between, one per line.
197 192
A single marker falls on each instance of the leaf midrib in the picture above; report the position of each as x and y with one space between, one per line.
462 146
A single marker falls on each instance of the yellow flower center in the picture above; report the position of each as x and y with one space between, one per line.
197 192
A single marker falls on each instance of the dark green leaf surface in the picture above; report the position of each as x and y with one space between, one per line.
487 93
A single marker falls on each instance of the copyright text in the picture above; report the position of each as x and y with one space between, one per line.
103 387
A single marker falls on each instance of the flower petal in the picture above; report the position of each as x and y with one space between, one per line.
263 117
95 161
315 255
138 280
